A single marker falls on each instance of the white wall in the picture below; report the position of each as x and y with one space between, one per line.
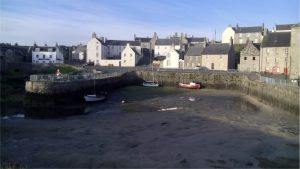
172 60
50 57
227 34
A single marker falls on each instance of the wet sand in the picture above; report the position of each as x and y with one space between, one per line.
197 129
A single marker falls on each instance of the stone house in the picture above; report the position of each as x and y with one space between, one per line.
275 55
295 52
218 56
249 58
241 35
283 28
130 57
193 57
47 54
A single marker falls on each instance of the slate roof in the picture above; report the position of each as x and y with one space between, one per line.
217 48
277 39
45 48
252 29
166 42
141 39
284 27
195 51
122 43
192 39
136 52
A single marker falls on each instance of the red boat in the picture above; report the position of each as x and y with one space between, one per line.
190 85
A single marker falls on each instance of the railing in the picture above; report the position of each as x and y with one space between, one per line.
68 77
277 81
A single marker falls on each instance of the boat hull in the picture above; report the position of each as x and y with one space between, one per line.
190 86
94 98
150 84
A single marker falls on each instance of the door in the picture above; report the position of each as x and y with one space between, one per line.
212 67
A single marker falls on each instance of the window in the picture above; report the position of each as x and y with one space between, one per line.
212 66
221 57
124 54
130 54
50 56
286 50
241 40
44 56
37 56
168 63
276 50
245 58
267 60
276 60
253 58
240 35
124 61
267 50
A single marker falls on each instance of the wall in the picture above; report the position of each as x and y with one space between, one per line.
255 37
162 50
295 52
227 34
172 58
220 61
284 97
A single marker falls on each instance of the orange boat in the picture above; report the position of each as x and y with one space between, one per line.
190 85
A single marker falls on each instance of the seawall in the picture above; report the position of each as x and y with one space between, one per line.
285 97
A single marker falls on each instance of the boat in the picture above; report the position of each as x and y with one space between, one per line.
190 85
94 97
150 84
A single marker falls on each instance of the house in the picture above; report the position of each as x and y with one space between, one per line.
197 41
249 58
218 56
283 28
241 35
108 52
172 59
79 52
295 52
275 55
47 54
163 46
193 56
130 57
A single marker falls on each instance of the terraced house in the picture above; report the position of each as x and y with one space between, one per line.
249 58
275 54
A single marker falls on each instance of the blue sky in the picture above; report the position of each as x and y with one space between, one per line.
73 21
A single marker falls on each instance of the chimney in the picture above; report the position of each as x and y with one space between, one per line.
94 35
173 46
231 41
237 26
265 32
134 36
127 45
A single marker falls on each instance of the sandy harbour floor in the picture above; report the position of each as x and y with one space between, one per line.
194 129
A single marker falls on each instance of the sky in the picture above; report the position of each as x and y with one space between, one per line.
70 22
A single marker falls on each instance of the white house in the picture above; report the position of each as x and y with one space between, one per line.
129 57
163 46
172 59
108 52
227 34
46 54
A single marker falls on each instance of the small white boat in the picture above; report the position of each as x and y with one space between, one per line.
150 84
94 98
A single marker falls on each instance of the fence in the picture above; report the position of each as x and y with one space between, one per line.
68 77
277 81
